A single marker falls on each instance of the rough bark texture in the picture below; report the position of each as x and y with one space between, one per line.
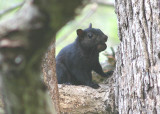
138 58
50 79
86 100
23 41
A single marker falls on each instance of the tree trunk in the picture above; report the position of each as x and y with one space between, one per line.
23 41
138 57
49 73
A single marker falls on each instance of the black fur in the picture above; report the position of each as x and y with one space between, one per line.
75 62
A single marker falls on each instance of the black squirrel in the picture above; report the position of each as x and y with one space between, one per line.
75 62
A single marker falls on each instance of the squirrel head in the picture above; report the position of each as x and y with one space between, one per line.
92 38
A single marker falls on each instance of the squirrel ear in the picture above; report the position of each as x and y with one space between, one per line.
90 25
80 32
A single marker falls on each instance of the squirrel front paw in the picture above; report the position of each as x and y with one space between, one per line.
94 85
108 74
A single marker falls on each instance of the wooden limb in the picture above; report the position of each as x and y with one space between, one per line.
86 100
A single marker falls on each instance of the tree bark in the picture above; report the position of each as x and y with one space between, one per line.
86 100
49 73
138 57
23 41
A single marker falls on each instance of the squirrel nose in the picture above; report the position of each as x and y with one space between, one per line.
105 38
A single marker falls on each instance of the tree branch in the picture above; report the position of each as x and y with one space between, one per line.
84 99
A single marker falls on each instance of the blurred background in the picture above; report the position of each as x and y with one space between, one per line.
98 12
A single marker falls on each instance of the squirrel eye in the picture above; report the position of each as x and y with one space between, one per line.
90 35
